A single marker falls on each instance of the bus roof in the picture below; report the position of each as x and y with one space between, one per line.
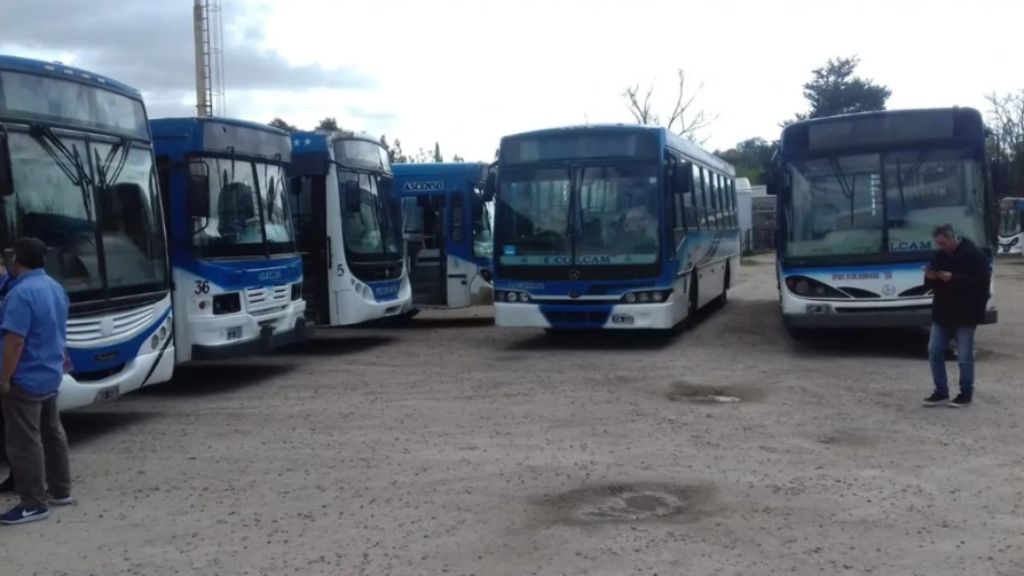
65 72
311 141
179 137
886 127
670 139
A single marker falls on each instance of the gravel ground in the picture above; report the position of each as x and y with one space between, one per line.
459 448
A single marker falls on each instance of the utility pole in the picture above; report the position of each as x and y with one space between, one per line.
208 34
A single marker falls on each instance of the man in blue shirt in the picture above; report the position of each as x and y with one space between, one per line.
33 326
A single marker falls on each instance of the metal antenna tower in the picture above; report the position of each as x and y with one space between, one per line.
209 47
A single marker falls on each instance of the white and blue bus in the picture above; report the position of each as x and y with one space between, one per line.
858 198
236 270
1011 226
447 227
76 171
348 228
610 227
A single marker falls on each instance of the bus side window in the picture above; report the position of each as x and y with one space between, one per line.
732 203
457 215
723 203
716 204
698 197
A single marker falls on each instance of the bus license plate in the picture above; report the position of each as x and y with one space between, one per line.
235 333
622 319
107 395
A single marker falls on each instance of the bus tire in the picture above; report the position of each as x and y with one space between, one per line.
693 302
723 299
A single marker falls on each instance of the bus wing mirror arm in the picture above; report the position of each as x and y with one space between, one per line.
490 186
6 165
197 190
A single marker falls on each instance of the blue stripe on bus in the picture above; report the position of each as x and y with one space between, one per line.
242 274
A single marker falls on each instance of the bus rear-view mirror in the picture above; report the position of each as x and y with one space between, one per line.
490 186
352 196
198 195
6 170
772 189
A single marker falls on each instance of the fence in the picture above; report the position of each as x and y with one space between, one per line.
758 240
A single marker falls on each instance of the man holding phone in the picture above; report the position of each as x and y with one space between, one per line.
959 277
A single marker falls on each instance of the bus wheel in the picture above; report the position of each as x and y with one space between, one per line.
692 306
723 299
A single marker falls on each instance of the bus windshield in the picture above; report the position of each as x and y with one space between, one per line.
483 226
96 209
874 204
249 211
591 215
1009 218
372 233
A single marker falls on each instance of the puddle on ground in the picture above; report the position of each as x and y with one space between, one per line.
699 394
629 503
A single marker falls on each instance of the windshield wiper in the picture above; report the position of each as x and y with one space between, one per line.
106 176
69 161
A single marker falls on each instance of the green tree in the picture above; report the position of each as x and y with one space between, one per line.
329 124
752 159
457 158
279 123
835 89
437 153
395 153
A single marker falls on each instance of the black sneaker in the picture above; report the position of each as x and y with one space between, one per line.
935 399
960 401
7 486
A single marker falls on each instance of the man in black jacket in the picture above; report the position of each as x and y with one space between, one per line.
959 276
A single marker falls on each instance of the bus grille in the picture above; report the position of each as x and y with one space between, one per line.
261 299
89 329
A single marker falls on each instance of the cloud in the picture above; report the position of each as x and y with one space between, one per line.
149 44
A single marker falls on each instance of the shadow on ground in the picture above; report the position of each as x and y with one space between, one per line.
84 426
445 323
335 345
206 379
892 343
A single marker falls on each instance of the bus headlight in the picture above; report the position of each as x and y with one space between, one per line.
809 287
229 303
646 297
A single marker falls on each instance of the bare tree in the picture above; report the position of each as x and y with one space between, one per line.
684 119
1006 120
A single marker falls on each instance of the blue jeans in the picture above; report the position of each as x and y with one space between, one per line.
937 345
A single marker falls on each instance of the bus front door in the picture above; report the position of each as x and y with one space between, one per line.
425 239
309 216
458 271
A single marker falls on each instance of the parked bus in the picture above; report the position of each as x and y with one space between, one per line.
348 227
448 265
237 273
610 227
858 198
1011 226
76 171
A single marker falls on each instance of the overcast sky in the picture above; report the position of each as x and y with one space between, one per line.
466 72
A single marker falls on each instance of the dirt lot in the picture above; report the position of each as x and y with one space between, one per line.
460 448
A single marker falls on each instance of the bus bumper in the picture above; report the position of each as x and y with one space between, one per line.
586 317
152 367
268 340
850 319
